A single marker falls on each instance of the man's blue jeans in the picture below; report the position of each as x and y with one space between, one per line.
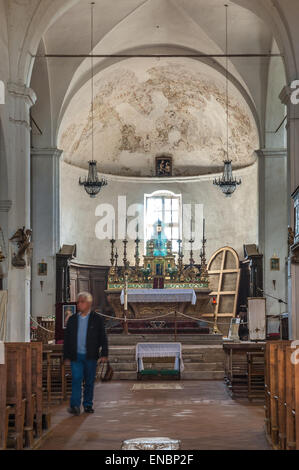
83 369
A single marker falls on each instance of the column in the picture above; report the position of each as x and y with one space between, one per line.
293 183
273 231
20 99
5 206
45 174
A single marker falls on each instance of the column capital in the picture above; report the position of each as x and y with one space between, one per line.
22 92
52 152
5 205
273 153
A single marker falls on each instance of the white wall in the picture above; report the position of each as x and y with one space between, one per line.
229 221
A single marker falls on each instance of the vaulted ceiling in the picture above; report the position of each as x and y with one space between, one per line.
156 27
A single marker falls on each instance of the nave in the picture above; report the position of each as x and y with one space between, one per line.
199 413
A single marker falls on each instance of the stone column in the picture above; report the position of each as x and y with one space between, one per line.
4 209
20 99
273 229
45 174
293 183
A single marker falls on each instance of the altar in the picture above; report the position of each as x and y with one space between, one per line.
162 290
156 351
148 304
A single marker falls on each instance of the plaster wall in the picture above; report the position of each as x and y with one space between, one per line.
229 221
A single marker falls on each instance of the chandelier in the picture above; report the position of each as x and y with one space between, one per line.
92 184
227 183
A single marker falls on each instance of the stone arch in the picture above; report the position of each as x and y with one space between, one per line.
49 10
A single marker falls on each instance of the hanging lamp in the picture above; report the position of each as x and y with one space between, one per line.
227 183
92 184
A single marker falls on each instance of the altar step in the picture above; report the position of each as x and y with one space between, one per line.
194 375
189 367
202 362
133 339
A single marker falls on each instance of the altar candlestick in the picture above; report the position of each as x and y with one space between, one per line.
112 258
126 329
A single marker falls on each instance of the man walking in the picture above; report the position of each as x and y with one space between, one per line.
84 335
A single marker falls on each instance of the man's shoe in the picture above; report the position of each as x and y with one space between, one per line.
88 409
74 410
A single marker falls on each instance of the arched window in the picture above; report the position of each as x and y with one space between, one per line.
167 207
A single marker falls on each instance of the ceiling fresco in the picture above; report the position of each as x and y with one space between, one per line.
145 107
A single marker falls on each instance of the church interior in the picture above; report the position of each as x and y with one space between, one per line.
149 157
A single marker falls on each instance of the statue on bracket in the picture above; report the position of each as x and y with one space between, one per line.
23 239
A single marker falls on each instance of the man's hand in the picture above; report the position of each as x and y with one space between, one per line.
103 359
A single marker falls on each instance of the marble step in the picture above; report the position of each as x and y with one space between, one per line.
187 349
186 375
193 366
199 339
125 359
203 366
202 356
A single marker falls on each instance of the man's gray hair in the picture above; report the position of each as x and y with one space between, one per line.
86 295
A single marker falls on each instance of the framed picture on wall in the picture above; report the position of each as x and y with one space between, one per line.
67 311
42 268
275 263
164 165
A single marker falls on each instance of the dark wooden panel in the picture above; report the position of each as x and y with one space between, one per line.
83 285
92 279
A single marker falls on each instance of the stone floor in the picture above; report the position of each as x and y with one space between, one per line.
199 413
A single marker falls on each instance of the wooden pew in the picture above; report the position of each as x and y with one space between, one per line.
267 392
236 366
256 375
3 407
14 392
290 401
37 390
27 391
273 383
281 385
282 394
24 391
54 374
296 368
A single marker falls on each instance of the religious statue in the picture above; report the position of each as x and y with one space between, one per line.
23 239
159 239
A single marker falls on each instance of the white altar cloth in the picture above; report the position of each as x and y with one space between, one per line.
159 295
159 350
